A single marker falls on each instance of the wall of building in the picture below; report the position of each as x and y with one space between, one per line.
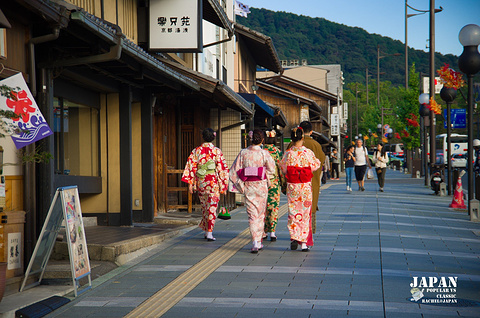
120 12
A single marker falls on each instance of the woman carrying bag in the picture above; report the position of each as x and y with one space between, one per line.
380 158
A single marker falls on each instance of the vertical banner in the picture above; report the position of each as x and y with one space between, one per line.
334 125
75 232
31 124
304 113
176 25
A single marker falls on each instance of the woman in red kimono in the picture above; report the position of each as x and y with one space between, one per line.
298 164
207 172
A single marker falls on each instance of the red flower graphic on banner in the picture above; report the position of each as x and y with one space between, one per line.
21 104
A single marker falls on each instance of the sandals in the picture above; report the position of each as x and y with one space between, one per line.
293 245
254 250
273 238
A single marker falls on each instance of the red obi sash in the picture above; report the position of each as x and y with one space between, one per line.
299 174
252 174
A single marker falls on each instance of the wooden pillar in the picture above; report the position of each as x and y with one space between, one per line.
148 102
125 101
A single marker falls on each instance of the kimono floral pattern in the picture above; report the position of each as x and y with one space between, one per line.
273 201
300 194
256 192
209 183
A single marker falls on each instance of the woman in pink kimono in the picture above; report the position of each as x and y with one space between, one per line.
250 174
207 172
298 164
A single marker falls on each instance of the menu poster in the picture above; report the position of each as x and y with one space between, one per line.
75 232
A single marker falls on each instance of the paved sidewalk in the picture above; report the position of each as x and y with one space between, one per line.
368 247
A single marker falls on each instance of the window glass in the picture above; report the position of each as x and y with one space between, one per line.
76 130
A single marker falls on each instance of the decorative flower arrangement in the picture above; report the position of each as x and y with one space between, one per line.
413 120
450 78
405 133
434 106
397 135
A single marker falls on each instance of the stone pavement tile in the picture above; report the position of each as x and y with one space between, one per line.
178 311
269 292
247 312
365 313
205 292
111 312
235 293
305 292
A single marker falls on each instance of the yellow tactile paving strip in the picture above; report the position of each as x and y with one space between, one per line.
171 294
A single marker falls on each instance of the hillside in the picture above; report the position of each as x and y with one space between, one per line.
324 42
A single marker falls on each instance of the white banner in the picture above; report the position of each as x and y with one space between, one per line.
345 110
426 85
176 25
30 125
334 125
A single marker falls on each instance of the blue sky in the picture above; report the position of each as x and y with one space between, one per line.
387 18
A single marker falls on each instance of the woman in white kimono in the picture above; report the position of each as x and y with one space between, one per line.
250 174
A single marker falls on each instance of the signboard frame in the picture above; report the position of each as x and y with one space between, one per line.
65 206
164 43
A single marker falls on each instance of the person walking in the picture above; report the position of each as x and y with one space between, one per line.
380 159
349 160
361 163
251 173
335 161
207 172
314 146
298 164
274 189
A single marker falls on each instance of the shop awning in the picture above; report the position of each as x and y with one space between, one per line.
3 21
213 87
252 98
214 13
119 58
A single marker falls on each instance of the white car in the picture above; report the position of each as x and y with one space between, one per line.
459 160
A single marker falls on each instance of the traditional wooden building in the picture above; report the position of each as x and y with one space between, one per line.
299 101
119 113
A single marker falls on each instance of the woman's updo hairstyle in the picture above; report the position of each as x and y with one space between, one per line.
208 134
297 134
270 137
257 137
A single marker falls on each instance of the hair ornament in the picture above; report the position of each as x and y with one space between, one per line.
215 134
250 134
271 133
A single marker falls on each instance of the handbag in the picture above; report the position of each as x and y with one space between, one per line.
223 214
370 173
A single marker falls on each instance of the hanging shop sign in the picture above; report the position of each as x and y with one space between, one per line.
30 126
176 26
334 125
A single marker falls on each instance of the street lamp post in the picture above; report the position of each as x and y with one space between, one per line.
423 111
448 94
378 76
356 102
469 63
432 82
406 32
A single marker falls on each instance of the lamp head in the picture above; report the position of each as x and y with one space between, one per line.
424 99
379 126
470 35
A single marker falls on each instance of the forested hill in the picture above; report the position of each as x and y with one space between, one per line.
320 41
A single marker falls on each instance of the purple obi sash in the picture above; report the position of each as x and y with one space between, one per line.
252 174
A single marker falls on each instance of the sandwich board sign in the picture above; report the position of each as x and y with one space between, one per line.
65 206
